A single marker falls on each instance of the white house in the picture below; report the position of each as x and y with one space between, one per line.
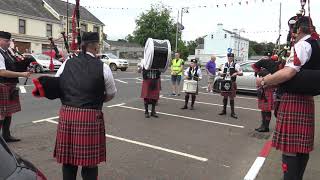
217 43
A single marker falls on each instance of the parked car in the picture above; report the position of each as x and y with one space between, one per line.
114 62
13 167
43 62
245 83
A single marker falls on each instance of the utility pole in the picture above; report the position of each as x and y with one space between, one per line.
280 26
177 30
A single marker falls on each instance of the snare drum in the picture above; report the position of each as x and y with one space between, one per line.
224 85
190 86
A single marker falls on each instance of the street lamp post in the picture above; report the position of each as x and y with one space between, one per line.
239 38
179 25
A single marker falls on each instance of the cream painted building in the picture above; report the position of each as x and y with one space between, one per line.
31 22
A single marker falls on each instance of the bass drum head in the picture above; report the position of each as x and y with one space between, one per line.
157 54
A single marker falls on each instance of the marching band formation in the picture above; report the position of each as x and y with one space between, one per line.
283 85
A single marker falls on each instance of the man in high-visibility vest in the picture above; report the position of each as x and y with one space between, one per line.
176 74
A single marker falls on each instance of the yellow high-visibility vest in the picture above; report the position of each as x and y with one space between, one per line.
176 66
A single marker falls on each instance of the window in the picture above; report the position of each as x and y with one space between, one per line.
49 30
84 28
22 26
70 27
225 36
96 29
212 36
247 67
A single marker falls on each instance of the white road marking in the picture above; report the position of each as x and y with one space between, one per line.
121 81
138 79
28 85
185 117
240 97
255 168
115 105
158 148
22 89
211 104
144 145
47 119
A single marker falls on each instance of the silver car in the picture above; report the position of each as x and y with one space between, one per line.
245 83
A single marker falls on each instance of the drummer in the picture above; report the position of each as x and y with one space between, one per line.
192 73
230 70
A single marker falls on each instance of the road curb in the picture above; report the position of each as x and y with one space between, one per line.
258 163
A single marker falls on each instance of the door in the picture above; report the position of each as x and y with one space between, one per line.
247 81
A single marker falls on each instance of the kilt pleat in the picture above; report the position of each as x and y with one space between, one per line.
231 93
80 137
294 132
266 104
147 92
8 106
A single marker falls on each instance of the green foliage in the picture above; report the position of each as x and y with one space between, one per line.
155 23
260 48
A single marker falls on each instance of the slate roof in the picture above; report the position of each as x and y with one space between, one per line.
33 8
61 8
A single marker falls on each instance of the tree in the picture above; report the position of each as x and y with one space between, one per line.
130 38
155 23
191 45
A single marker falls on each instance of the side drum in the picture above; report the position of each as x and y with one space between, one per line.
190 86
224 85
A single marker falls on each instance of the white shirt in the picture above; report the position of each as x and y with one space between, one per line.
186 72
2 61
107 74
237 67
300 54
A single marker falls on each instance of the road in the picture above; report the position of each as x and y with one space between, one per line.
180 144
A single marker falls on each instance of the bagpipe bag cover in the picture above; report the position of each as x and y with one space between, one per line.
304 82
157 54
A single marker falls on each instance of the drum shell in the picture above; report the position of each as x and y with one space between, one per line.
190 86
157 54
224 85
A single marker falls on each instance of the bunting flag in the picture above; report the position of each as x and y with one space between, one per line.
217 5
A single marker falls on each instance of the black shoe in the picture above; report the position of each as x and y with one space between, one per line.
191 108
11 139
223 113
146 115
154 115
263 129
233 115
178 94
259 128
184 107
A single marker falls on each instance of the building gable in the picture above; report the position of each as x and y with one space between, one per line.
61 8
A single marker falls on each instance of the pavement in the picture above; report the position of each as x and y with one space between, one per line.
180 144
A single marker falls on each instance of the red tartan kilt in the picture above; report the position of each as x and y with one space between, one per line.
146 91
232 93
294 132
80 137
8 106
266 105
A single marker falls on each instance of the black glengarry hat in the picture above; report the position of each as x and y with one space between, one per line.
90 37
5 35
230 55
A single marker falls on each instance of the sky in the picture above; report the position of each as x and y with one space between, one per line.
257 20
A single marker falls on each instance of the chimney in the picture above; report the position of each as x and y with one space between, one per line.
219 27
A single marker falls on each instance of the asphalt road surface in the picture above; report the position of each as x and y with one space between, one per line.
180 144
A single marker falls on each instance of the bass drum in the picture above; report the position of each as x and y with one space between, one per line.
157 54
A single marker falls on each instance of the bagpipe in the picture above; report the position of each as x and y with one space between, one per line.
48 86
303 81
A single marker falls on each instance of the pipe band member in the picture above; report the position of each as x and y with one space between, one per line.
234 70
85 84
150 91
9 93
192 73
262 68
294 132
